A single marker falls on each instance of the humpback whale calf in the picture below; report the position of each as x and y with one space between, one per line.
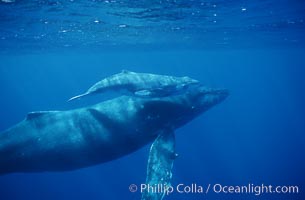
73 139
140 84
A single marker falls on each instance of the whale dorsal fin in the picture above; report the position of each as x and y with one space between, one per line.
124 71
33 115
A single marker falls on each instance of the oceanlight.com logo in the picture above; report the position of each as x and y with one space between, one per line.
214 188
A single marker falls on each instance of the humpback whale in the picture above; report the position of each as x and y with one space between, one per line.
140 84
73 139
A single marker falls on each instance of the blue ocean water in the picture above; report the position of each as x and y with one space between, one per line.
53 50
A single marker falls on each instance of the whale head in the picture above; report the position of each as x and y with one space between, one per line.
189 80
175 111
186 82
203 98
196 101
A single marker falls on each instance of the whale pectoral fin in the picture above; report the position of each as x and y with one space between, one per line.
160 164
143 93
156 92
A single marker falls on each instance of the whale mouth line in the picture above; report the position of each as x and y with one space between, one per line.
203 90
213 95
217 91
221 91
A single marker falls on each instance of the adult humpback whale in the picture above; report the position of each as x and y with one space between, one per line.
140 84
67 140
